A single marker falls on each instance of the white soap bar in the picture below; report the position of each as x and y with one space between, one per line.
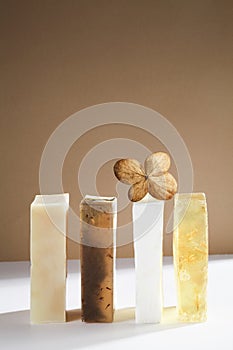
148 239
48 258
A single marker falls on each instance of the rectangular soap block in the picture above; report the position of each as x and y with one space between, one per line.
148 238
190 250
48 258
97 253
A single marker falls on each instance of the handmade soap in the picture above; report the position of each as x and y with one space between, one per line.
98 230
148 238
48 258
190 250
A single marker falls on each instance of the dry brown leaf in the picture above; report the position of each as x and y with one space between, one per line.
155 179
138 190
162 187
157 163
129 171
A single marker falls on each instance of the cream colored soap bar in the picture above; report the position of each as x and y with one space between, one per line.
190 250
48 258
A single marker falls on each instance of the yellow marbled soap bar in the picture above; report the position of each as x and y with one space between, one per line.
190 251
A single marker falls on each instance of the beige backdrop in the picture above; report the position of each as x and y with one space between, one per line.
58 57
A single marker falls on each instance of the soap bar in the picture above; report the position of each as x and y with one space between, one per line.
48 258
148 238
98 230
190 250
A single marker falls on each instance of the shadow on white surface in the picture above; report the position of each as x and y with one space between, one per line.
13 270
74 334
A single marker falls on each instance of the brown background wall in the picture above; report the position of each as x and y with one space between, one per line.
58 57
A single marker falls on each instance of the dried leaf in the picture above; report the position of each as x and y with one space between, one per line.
138 190
154 179
157 163
162 187
129 171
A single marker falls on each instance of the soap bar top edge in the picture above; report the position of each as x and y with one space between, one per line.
51 199
185 196
98 199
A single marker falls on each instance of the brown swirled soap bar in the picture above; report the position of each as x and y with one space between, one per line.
98 229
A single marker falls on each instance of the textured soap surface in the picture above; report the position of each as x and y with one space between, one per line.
98 225
48 258
190 250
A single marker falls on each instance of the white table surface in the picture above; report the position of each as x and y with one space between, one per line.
17 333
